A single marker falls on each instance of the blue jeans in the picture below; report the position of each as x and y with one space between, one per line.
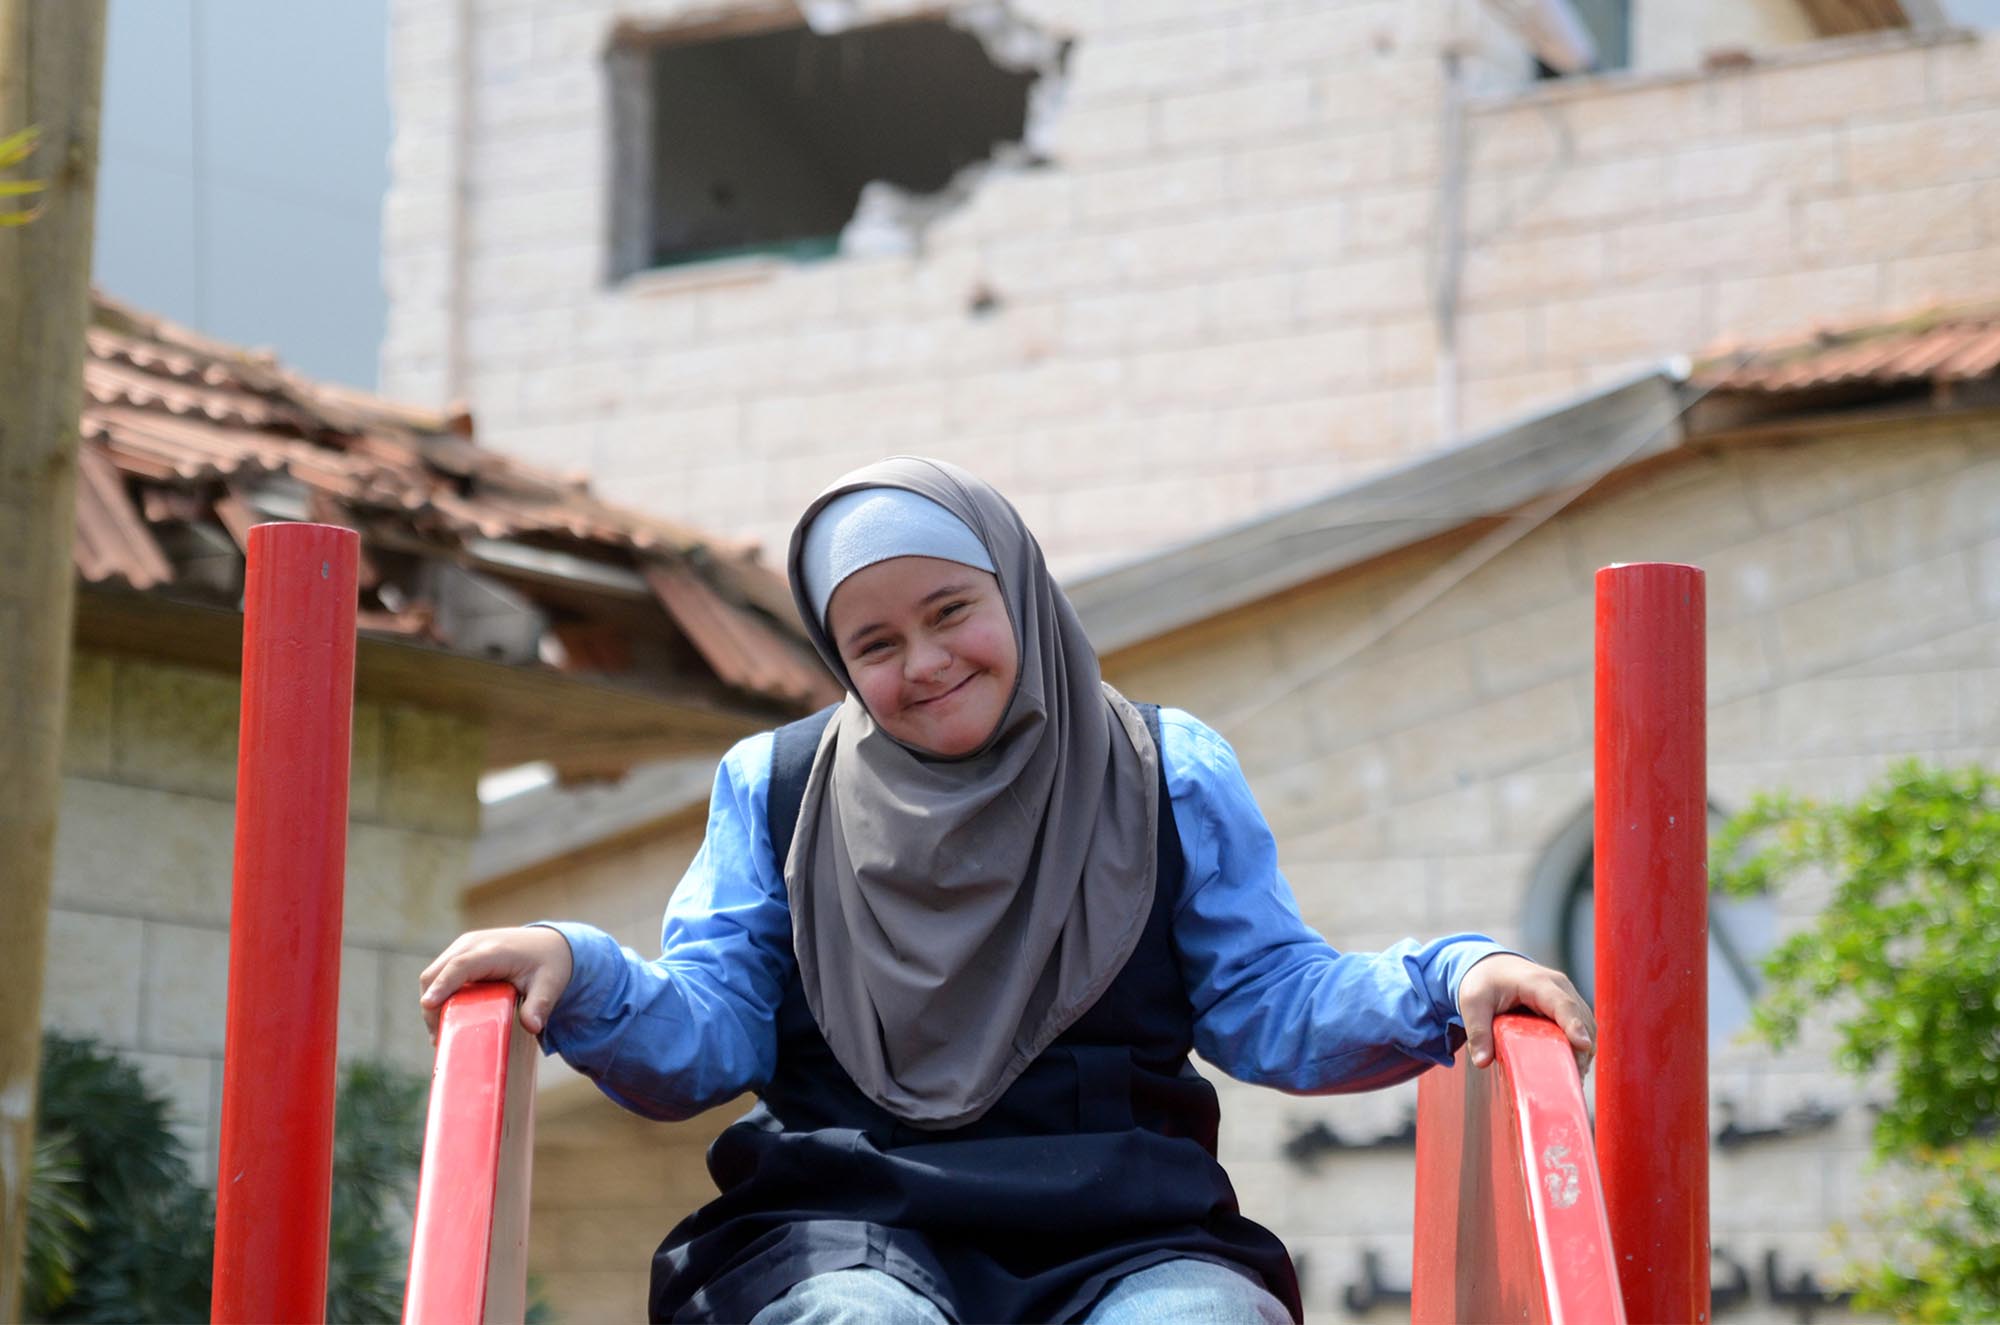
1178 1292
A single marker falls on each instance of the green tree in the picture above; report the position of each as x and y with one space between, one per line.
1905 961
120 1230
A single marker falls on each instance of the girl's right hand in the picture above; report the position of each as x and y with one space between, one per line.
534 959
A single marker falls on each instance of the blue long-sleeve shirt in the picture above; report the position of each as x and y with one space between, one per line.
1274 1004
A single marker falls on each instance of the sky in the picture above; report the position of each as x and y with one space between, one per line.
244 155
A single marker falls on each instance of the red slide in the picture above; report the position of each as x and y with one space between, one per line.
1511 1222
469 1247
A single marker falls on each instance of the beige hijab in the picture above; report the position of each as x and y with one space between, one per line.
951 917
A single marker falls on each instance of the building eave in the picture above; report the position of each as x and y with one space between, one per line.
582 724
1489 476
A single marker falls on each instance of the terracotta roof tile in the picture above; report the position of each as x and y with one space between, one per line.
182 430
1938 348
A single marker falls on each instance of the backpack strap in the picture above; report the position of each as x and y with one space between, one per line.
794 745
792 749
1170 864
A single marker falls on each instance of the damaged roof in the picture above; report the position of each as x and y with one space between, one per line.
467 556
1937 348
1942 359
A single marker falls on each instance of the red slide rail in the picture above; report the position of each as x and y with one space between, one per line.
468 1251
1511 1220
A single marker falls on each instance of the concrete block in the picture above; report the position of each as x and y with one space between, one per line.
1678 518
1753 307
1325 165
1742 660
1871 616
1458 822
1095 135
1474 893
1932 149
1866 714
364 768
1390 284
1498 341
1271 105
87 725
1114 68
1591 194
1297 792
1466 746
1350 896
1785 165
1378 91
404 1042
1166 187
1253 305
186 989
402 887
1391 218
1914 523
91 979
183 846
1514 136
1944 278
1651 322
1533 806
187 1084
1625 120
1834 475
1518 270
359 1029
1529 648
1404 351
1900 223
1965 72
1486 402
431 767
1872 84
1749 578
1753 238
1766 1189
175 728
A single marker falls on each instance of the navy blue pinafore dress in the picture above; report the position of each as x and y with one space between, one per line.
1098 1161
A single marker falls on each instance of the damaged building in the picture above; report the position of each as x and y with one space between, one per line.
1183 277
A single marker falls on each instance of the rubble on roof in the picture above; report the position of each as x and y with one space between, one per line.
187 442
1933 349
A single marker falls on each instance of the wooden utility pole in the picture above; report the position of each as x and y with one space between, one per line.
51 73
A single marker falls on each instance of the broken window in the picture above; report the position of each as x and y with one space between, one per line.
765 143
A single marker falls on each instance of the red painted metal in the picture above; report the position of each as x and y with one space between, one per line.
1510 1214
274 1180
1651 849
468 1250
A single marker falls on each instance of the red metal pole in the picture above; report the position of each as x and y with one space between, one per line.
1651 852
274 1182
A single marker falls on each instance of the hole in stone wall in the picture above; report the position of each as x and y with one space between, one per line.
782 141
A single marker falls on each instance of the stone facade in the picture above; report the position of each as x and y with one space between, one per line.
1430 784
138 952
1259 262
1424 786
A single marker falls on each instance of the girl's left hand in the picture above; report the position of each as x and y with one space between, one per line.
1503 983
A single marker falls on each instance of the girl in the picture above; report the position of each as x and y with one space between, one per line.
960 934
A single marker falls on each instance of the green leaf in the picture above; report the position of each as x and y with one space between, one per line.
18 146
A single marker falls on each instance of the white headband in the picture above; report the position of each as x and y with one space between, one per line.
857 529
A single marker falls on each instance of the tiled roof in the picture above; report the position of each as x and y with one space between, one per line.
187 442
1938 348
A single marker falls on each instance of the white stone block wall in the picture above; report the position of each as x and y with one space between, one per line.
1219 297
1854 620
139 932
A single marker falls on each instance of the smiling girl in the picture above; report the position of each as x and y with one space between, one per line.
960 933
